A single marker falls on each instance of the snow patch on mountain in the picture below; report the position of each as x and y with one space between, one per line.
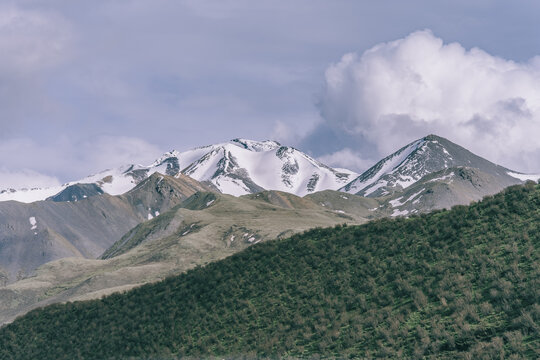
33 222
397 212
524 177
442 178
114 181
29 195
388 165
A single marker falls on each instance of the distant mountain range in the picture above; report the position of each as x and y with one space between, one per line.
84 218
237 167
240 167
432 173
148 222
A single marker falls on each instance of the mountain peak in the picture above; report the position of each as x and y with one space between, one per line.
257 146
432 137
409 164
165 156
236 167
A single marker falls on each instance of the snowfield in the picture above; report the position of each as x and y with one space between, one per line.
237 167
524 177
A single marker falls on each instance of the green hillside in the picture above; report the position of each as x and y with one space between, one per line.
463 283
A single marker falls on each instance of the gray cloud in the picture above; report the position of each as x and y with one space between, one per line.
182 73
347 159
31 43
32 40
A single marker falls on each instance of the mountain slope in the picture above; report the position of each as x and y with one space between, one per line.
455 284
356 206
242 167
418 159
76 192
237 167
203 228
442 190
36 233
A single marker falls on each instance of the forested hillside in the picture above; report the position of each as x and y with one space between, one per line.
463 283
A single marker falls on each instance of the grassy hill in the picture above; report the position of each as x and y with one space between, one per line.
205 227
37 233
463 283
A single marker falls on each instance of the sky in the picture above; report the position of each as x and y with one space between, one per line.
90 85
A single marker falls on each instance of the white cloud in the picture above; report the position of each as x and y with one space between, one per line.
347 159
25 178
67 159
110 151
282 132
292 130
402 90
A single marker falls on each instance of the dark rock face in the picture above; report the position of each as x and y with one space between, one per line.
444 189
76 192
139 175
36 233
283 152
313 182
173 167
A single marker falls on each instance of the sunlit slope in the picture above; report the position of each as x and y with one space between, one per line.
34 234
442 189
206 227
422 157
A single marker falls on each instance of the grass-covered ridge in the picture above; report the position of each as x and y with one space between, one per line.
450 284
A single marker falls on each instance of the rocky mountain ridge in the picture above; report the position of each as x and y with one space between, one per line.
34 234
241 166
422 157
237 167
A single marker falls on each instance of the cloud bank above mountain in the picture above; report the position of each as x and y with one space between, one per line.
32 40
25 161
398 91
180 74
25 178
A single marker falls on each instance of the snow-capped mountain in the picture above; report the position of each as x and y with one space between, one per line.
236 167
114 182
444 189
243 166
422 157
240 167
